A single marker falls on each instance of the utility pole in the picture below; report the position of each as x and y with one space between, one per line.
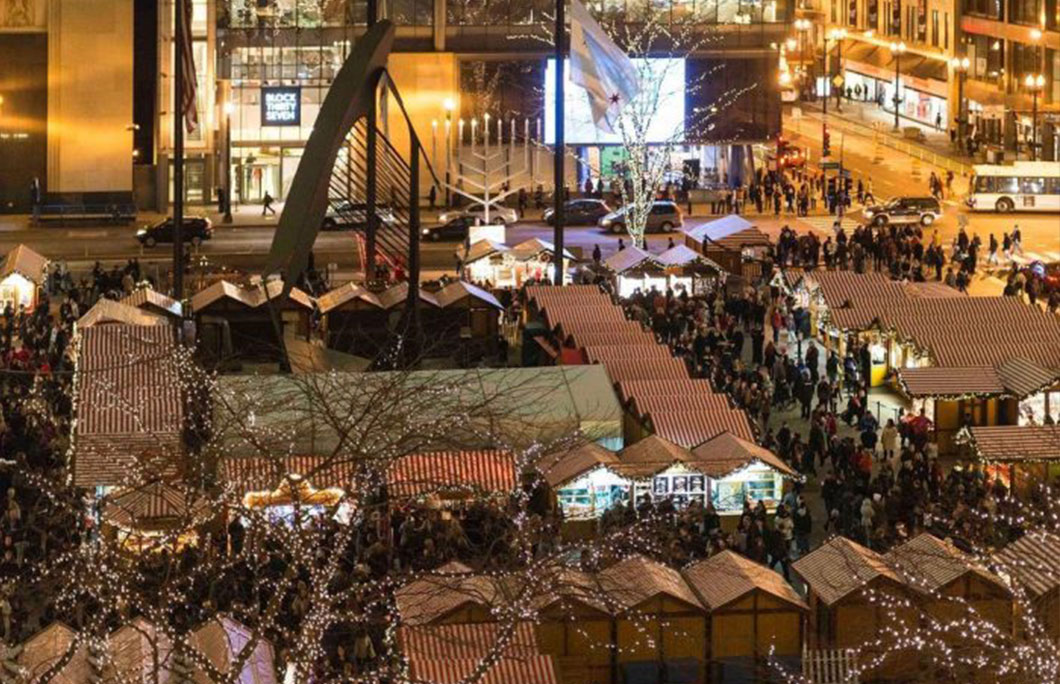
178 148
561 147
371 169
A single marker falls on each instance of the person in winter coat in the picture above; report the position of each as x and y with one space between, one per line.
889 440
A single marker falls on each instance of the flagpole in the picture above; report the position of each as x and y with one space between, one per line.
560 149
178 149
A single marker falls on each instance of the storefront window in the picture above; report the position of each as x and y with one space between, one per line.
985 8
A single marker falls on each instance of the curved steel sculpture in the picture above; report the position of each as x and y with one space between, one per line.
347 100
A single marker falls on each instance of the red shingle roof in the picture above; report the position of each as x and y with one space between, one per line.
1031 559
1003 443
692 428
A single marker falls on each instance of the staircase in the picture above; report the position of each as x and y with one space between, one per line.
348 195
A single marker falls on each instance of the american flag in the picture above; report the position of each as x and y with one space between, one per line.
188 83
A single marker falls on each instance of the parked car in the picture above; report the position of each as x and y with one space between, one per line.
498 214
580 212
196 229
456 229
354 215
788 156
922 210
663 217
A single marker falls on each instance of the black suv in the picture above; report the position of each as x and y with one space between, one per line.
196 229
902 210
455 229
580 212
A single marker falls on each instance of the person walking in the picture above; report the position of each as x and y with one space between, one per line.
1017 240
35 198
432 197
266 204
991 257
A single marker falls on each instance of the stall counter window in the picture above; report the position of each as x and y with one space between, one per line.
592 494
756 482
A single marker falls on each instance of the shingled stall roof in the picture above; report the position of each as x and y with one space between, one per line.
25 262
840 567
963 332
726 454
350 292
1032 560
635 580
250 296
680 256
691 428
728 576
151 300
732 233
450 654
432 596
928 563
129 403
1015 443
630 258
1015 377
563 467
615 352
108 311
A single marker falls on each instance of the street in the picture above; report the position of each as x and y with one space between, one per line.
243 244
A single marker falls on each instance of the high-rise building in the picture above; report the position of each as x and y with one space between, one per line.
264 67
66 93
978 68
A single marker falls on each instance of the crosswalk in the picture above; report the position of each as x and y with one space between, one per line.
1025 258
825 224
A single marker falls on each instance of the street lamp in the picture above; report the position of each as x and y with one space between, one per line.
228 108
838 35
448 105
960 67
803 26
897 49
1034 83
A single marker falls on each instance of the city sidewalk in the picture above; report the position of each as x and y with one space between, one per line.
872 117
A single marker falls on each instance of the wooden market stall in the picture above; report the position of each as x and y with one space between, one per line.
108 311
853 595
660 622
353 320
451 594
732 242
22 274
1031 562
755 615
467 320
576 627
585 480
231 316
952 581
44 651
1022 456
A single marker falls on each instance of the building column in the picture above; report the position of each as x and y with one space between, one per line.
440 8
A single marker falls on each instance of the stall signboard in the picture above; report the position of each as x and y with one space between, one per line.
281 106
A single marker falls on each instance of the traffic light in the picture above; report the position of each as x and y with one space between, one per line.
826 142
831 186
848 185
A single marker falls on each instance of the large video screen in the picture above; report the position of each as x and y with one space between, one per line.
666 83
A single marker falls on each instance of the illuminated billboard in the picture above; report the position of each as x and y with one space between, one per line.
281 106
662 97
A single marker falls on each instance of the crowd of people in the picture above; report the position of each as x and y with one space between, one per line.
876 475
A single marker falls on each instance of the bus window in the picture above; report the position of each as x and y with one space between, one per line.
1032 186
1008 184
1052 186
984 184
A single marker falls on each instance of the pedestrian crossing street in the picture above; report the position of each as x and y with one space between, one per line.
1025 259
823 224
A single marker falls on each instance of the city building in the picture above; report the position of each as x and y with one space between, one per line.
264 67
999 60
66 94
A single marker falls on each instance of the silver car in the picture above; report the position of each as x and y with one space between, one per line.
499 215
663 217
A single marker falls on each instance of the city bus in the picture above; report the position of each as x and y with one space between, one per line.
1023 186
